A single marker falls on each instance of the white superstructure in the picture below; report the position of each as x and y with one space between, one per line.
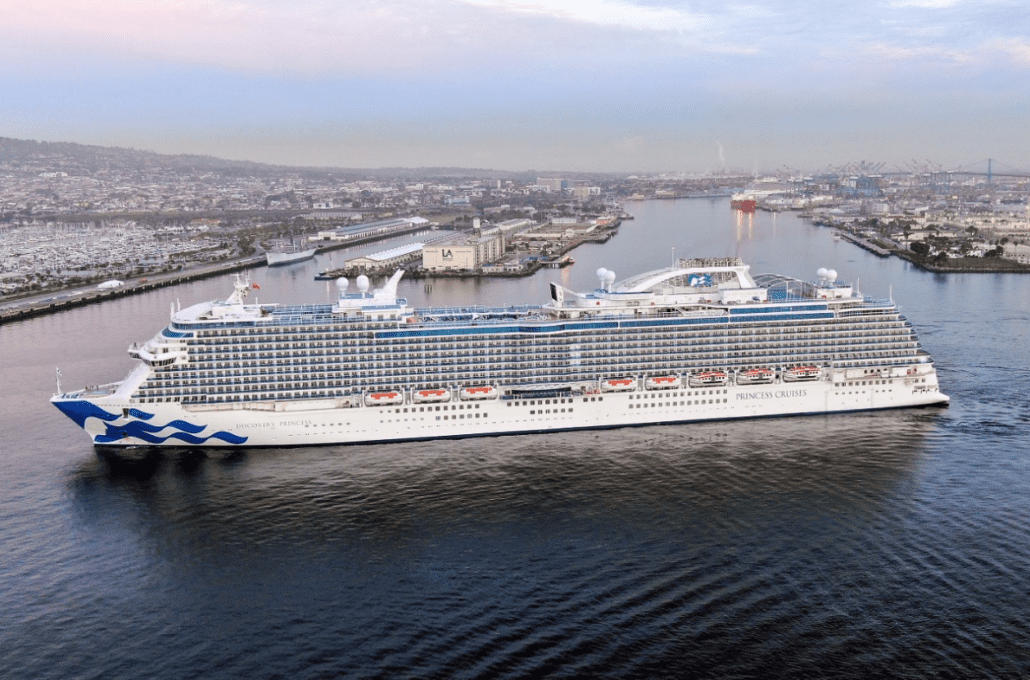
699 341
289 257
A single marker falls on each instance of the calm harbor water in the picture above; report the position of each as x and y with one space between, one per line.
887 544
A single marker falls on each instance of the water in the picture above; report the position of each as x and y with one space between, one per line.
872 544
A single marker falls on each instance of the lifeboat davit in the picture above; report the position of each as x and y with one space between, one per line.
663 382
383 398
483 392
618 385
755 376
430 396
708 379
800 373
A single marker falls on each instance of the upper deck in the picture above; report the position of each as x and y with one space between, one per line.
694 290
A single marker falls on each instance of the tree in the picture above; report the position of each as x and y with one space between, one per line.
919 248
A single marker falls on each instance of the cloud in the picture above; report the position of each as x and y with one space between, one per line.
631 145
605 13
924 4
1016 49
986 53
921 52
709 32
306 36
398 37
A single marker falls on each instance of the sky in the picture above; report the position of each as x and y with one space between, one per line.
598 85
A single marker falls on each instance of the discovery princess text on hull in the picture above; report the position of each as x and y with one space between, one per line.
702 340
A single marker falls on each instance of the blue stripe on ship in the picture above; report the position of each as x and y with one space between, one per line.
116 433
81 410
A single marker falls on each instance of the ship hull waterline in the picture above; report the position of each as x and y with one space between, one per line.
242 428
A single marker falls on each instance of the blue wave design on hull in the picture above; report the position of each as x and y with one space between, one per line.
186 427
81 410
116 433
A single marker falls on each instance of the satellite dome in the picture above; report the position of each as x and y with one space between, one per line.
602 272
362 282
831 274
821 272
609 276
341 284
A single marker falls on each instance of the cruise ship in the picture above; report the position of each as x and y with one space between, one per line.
701 340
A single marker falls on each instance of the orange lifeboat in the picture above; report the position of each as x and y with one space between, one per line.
430 396
383 398
618 385
801 373
708 379
663 382
755 376
481 392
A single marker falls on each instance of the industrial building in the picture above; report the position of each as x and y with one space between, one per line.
380 228
387 258
463 252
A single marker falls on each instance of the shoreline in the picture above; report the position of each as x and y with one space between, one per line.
94 295
989 264
420 273
55 303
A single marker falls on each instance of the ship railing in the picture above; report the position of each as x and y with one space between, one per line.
94 390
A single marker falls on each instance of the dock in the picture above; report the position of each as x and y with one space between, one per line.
863 243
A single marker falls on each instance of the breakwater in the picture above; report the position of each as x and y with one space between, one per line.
62 301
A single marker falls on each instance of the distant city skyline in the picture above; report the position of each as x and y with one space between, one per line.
611 85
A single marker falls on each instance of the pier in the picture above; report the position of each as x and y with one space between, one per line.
863 243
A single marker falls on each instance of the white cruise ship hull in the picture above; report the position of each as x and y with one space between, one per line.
117 423
677 345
